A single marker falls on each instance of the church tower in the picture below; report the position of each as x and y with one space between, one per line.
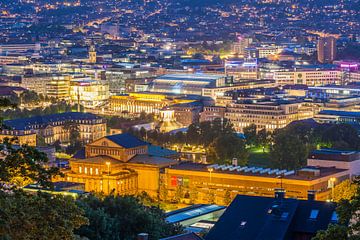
92 54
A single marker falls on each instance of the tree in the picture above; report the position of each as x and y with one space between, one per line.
263 138
342 136
250 133
25 164
348 212
74 137
345 190
333 232
292 145
29 97
38 216
33 216
116 217
226 147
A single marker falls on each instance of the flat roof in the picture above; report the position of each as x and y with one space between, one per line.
180 216
257 171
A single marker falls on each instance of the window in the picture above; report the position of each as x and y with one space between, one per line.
173 181
85 170
284 215
334 217
313 214
91 172
97 171
80 169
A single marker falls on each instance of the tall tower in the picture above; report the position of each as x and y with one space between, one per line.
326 49
92 54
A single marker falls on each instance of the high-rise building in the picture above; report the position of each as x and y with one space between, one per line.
242 43
326 49
92 54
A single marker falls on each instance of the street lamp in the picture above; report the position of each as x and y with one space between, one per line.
108 172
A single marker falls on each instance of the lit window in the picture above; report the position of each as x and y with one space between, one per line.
97 171
313 214
85 170
334 217
80 169
91 172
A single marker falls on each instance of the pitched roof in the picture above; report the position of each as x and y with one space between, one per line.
33 122
250 217
126 140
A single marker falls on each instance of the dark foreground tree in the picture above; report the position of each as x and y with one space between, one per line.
24 165
26 216
115 217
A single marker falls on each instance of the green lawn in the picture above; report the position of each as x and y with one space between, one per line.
259 157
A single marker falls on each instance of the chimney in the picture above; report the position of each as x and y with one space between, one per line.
311 195
279 193
142 236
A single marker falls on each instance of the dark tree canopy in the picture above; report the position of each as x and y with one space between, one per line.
122 218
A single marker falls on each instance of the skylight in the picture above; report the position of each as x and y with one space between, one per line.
334 217
313 214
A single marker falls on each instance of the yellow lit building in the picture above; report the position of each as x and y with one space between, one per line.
144 102
199 183
118 163
27 137
90 93
59 87
270 115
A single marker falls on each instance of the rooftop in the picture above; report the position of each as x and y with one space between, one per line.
28 123
259 171
340 113
126 140
250 217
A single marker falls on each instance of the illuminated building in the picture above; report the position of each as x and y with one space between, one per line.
19 48
335 117
308 77
51 127
340 159
59 87
186 113
36 83
119 163
211 113
242 43
168 122
326 48
90 93
334 91
265 114
92 54
244 69
218 92
200 183
144 102
187 83
22 136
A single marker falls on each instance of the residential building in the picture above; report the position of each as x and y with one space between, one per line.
278 218
326 48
